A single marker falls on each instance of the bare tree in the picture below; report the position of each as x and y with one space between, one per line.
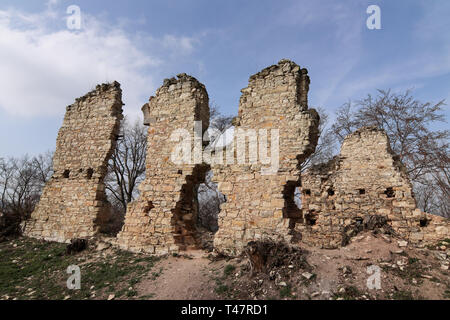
209 200
43 166
126 168
21 184
410 125
219 121
209 196
7 170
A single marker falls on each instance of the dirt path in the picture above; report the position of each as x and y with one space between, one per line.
405 273
180 278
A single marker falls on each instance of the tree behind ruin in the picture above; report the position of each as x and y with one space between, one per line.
21 182
411 127
126 168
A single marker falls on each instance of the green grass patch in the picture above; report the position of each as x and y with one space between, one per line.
35 269
412 270
222 289
228 270
402 295
286 292
350 293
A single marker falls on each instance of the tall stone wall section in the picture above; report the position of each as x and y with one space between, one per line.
73 203
163 219
260 206
366 178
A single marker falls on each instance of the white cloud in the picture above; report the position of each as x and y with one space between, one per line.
43 70
185 44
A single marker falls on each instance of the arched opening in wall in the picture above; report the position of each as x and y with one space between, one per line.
66 174
209 202
362 191
292 209
187 233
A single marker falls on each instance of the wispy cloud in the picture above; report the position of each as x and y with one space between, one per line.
44 69
340 29
429 59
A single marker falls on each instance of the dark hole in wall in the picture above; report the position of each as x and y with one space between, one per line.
307 192
180 172
310 218
290 208
330 192
423 222
148 207
390 193
362 191
358 221
89 173
185 214
66 174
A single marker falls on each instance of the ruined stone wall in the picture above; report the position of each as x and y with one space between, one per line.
73 203
366 178
258 205
163 219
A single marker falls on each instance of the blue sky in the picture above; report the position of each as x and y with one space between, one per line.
45 66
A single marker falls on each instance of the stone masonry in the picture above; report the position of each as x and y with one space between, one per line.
260 206
366 178
73 203
163 219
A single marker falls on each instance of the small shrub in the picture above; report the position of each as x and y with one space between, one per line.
403 295
285 292
229 269
222 289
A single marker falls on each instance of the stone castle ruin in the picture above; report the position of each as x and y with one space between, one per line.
73 203
163 219
366 179
260 205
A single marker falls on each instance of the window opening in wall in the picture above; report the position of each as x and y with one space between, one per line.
66 174
423 222
390 193
90 172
